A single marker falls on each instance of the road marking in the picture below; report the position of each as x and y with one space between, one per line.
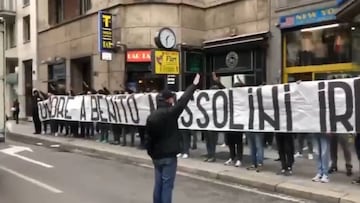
13 150
235 186
31 180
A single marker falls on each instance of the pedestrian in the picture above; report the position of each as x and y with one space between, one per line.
211 139
285 143
185 144
301 141
256 143
235 143
163 140
35 111
16 110
322 140
343 140
357 148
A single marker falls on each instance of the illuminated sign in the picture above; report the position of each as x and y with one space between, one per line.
310 17
167 62
105 31
138 56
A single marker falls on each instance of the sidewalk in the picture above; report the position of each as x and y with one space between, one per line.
339 189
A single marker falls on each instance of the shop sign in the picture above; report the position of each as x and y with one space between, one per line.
138 56
105 31
309 17
167 62
340 2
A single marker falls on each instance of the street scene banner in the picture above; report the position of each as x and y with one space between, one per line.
317 106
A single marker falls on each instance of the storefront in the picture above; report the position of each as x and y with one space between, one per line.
237 59
140 77
316 46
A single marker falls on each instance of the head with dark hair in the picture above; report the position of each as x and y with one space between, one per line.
116 92
165 98
101 91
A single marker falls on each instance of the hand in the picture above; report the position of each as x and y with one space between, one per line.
215 78
196 79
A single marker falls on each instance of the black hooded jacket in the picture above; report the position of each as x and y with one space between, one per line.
162 127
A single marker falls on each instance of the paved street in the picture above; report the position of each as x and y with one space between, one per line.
77 178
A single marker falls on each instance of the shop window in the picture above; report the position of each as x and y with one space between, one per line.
26 28
57 73
329 44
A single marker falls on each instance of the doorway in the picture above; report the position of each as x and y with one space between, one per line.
81 69
28 87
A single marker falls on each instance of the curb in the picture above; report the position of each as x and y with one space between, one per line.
269 184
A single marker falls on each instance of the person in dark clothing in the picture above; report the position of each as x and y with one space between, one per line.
35 111
357 148
235 143
16 110
163 141
285 143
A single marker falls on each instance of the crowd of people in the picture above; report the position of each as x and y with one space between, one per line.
289 145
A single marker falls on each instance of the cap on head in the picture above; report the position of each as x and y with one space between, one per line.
167 94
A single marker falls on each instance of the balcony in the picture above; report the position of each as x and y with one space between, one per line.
8 10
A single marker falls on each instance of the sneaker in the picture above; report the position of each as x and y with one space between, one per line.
185 156
43 133
179 155
289 172
223 145
325 179
298 155
259 168
317 178
356 181
56 134
349 170
333 169
206 159
251 168
281 172
229 162
211 160
310 156
238 163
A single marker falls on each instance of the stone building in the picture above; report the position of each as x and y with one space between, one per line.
20 52
226 36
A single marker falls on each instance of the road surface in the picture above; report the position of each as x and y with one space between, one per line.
38 174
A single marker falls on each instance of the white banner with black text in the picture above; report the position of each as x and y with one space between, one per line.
317 106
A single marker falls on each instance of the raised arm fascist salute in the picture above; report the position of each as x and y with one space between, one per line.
164 140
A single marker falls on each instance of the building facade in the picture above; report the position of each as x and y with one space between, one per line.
314 44
223 36
20 52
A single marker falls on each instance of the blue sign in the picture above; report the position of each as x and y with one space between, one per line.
309 17
340 2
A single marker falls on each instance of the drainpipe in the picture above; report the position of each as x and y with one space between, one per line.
3 80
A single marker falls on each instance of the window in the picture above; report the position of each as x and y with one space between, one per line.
59 11
328 44
85 5
26 28
11 35
26 2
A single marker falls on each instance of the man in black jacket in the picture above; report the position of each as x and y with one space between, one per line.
164 140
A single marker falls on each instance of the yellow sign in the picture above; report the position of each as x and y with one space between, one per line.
167 62
105 31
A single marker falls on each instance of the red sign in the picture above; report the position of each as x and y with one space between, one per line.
138 56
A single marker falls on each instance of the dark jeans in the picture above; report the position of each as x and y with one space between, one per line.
104 131
165 173
357 146
117 129
235 143
87 129
16 116
186 139
46 126
129 130
309 140
285 143
256 143
74 128
211 142
341 139
37 123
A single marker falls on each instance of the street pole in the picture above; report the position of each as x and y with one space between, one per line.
3 80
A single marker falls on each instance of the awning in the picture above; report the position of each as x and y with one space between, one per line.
239 41
349 10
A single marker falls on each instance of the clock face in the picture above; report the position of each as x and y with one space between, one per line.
167 38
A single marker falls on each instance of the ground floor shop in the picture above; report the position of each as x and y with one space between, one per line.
317 47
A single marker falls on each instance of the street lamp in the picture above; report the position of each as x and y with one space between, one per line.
2 80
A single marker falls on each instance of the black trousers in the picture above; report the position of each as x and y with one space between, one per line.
117 130
37 122
235 143
285 143
87 129
74 128
16 116
142 131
